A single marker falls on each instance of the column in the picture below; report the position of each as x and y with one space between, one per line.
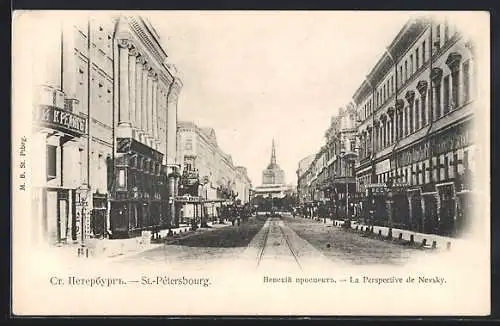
404 126
380 134
149 106
124 129
144 96
389 128
132 89
155 112
138 97
172 120
415 116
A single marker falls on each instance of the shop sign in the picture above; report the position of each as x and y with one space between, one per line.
383 166
420 152
452 140
59 119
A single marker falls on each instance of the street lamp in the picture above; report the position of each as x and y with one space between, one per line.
348 157
83 191
390 201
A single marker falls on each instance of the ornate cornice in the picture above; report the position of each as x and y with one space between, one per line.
124 43
436 75
453 61
133 51
422 87
399 104
410 97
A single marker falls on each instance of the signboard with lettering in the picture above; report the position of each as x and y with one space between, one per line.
417 153
383 166
59 119
452 140
441 143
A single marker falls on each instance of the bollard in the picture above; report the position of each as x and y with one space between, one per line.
434 245
412 239
379 233
448 245
389 235
400 236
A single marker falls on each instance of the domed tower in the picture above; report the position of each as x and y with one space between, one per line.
273 174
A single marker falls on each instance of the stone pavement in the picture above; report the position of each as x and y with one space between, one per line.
121 248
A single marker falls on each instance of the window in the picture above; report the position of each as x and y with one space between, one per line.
400 75
406 70
454 88
51 162
410 120
437 100
446 94
422 109
417 115
437 41
188 146
417 59
423 52
411 64
392 84
446 31
121 178
466 81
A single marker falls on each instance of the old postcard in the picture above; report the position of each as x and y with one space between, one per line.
250 163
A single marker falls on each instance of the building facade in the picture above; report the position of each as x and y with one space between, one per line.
417 108
302 178
220 181
105 103
411 134
329 178
273 179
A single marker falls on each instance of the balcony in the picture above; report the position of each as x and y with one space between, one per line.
51 112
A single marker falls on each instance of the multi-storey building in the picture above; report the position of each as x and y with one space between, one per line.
219 179
302 178
103 120
341 143
416 107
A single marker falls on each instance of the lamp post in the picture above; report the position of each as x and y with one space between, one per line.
389 202
83 191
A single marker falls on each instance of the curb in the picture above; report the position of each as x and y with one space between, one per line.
414 240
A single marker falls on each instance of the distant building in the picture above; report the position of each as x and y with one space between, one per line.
303 178
273 174
220 180
273 179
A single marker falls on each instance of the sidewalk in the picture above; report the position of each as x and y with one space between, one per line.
120 248
441 241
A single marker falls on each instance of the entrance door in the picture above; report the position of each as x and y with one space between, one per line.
447 209
430 214
416 211
52 221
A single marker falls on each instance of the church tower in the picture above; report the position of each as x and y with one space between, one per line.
273 174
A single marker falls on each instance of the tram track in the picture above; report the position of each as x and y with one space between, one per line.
275 236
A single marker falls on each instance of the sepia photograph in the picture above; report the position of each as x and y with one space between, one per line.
299 163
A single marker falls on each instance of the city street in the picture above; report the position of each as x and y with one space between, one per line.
285 243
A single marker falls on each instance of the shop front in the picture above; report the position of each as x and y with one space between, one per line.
56 139
136 195
415 212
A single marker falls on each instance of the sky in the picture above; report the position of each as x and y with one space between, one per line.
255 76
